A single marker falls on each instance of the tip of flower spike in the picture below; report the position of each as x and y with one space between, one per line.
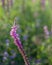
13 29
15 22
15 25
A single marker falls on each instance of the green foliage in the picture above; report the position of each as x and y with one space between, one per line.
31 19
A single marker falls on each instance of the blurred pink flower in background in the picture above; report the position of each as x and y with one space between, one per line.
46 31
42 4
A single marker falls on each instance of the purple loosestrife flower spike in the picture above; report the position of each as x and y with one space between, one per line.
18 43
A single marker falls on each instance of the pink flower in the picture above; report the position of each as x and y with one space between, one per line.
17 42
46 31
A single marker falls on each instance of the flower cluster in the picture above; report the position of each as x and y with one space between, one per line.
18 43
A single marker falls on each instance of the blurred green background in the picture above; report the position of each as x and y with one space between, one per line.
34 18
